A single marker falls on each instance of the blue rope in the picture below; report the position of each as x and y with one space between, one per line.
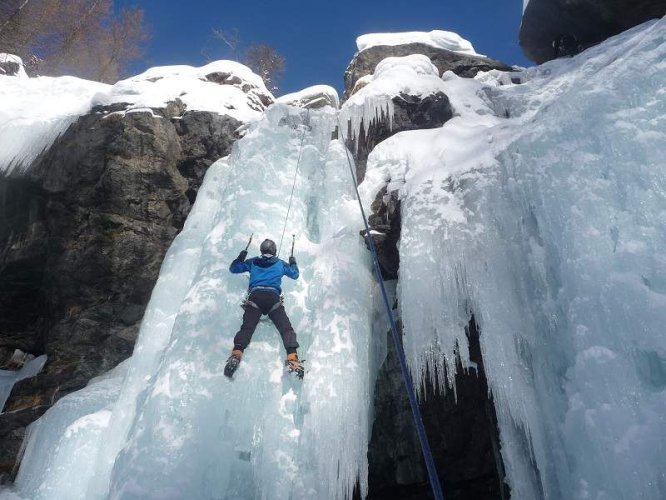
413 403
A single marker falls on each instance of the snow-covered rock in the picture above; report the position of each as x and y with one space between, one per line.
36 111
224 87
313 97
404 93
413 75
11 65
447 52
446 40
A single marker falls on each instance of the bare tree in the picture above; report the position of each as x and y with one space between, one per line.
231 38
267 63
86 38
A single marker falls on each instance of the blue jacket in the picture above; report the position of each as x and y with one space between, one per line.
265 271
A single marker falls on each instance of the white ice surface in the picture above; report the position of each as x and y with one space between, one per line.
540 209
436 38
173 426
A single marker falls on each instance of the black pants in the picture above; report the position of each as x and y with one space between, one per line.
265 300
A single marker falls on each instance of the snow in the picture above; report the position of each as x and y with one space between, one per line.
413 75
36 111
11 58
316 95
9 377
538 208
239 96
446 40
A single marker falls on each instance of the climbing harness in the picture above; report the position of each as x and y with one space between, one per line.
291 196
413 403
247 302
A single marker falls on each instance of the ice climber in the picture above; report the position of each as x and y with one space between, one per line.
264 297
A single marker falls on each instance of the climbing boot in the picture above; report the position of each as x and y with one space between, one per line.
232 362
294 365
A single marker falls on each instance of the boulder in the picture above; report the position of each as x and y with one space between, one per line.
315 97
11 65
365 62
588 21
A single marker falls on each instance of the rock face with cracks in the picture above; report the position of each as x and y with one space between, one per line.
589 21
82 239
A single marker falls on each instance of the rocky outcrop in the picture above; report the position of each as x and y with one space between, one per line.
82 239
11 65
410 113
462 433
589 21
365 62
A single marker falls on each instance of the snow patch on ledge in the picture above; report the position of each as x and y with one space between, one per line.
372 98
8 60
224 87
446 40
312 97
36 111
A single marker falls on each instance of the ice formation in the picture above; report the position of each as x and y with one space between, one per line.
539 208
440 39
35 111
9 377
413 75
168 424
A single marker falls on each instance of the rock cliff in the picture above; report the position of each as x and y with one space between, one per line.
589 21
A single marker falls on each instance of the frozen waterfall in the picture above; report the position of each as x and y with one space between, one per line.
539 208
167 423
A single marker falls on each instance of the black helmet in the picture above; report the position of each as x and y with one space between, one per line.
268 246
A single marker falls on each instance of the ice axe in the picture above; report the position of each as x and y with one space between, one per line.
249 242
293 242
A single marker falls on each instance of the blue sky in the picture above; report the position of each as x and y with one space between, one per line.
318 39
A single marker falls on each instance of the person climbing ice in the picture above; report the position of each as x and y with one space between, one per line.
264 297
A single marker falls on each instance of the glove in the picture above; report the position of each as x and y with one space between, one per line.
292 260
242 255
